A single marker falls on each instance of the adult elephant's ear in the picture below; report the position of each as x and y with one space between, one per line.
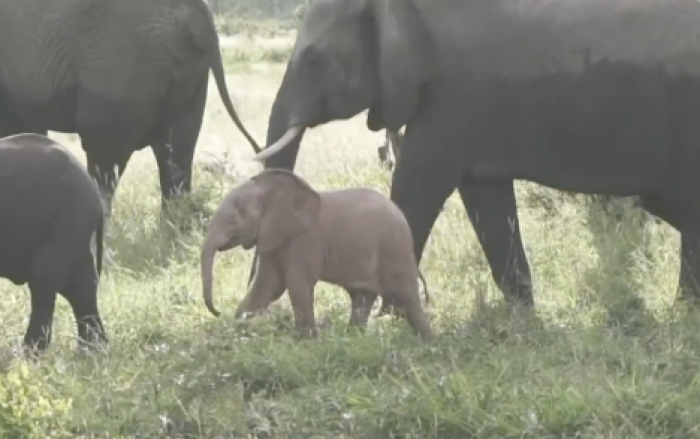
406 61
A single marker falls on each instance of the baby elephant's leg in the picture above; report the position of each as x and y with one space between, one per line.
361 302
267 287
301 293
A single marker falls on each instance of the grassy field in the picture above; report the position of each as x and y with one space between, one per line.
606 355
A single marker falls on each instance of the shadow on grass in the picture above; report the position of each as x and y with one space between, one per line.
499 374
512 375
617 226
142 240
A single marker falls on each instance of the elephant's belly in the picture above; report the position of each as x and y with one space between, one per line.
612 130
353 273
57 113
14 269
354 280
574 165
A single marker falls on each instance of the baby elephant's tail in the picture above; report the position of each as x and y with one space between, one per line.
388 304
425 288
99 245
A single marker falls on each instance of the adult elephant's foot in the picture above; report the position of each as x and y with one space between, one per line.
168 211
91 333
106 197
519 294
180 214
36 343
37 337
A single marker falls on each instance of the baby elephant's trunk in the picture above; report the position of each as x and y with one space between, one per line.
207 268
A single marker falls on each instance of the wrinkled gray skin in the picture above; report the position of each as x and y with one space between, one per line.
50 210
122 74
354 238
589 96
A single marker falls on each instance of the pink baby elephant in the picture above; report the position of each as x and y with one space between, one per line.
354 238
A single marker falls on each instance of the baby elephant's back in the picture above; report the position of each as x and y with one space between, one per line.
366 231
41 184
39 175
366 212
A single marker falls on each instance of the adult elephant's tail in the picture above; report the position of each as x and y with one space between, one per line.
207 38
217 68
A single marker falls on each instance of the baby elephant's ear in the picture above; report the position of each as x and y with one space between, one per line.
291 207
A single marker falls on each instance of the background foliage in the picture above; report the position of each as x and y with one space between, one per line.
236 16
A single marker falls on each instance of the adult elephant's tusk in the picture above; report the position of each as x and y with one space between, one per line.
273 149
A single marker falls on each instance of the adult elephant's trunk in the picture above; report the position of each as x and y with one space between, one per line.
278 125
287 139
282 118
209 250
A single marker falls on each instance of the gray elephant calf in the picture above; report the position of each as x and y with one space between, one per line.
50 209
354 238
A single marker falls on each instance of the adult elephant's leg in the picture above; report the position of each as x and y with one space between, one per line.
175 153
109 133
163 152
106 176
168 173
43 304
424 178
285 159
384 151
492 211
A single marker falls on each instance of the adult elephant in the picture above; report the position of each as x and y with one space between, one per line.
590 96
122 74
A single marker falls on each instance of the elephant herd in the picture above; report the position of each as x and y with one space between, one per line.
587 96
123 75
354 238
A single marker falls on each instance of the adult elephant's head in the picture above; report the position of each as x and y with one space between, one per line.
350 56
